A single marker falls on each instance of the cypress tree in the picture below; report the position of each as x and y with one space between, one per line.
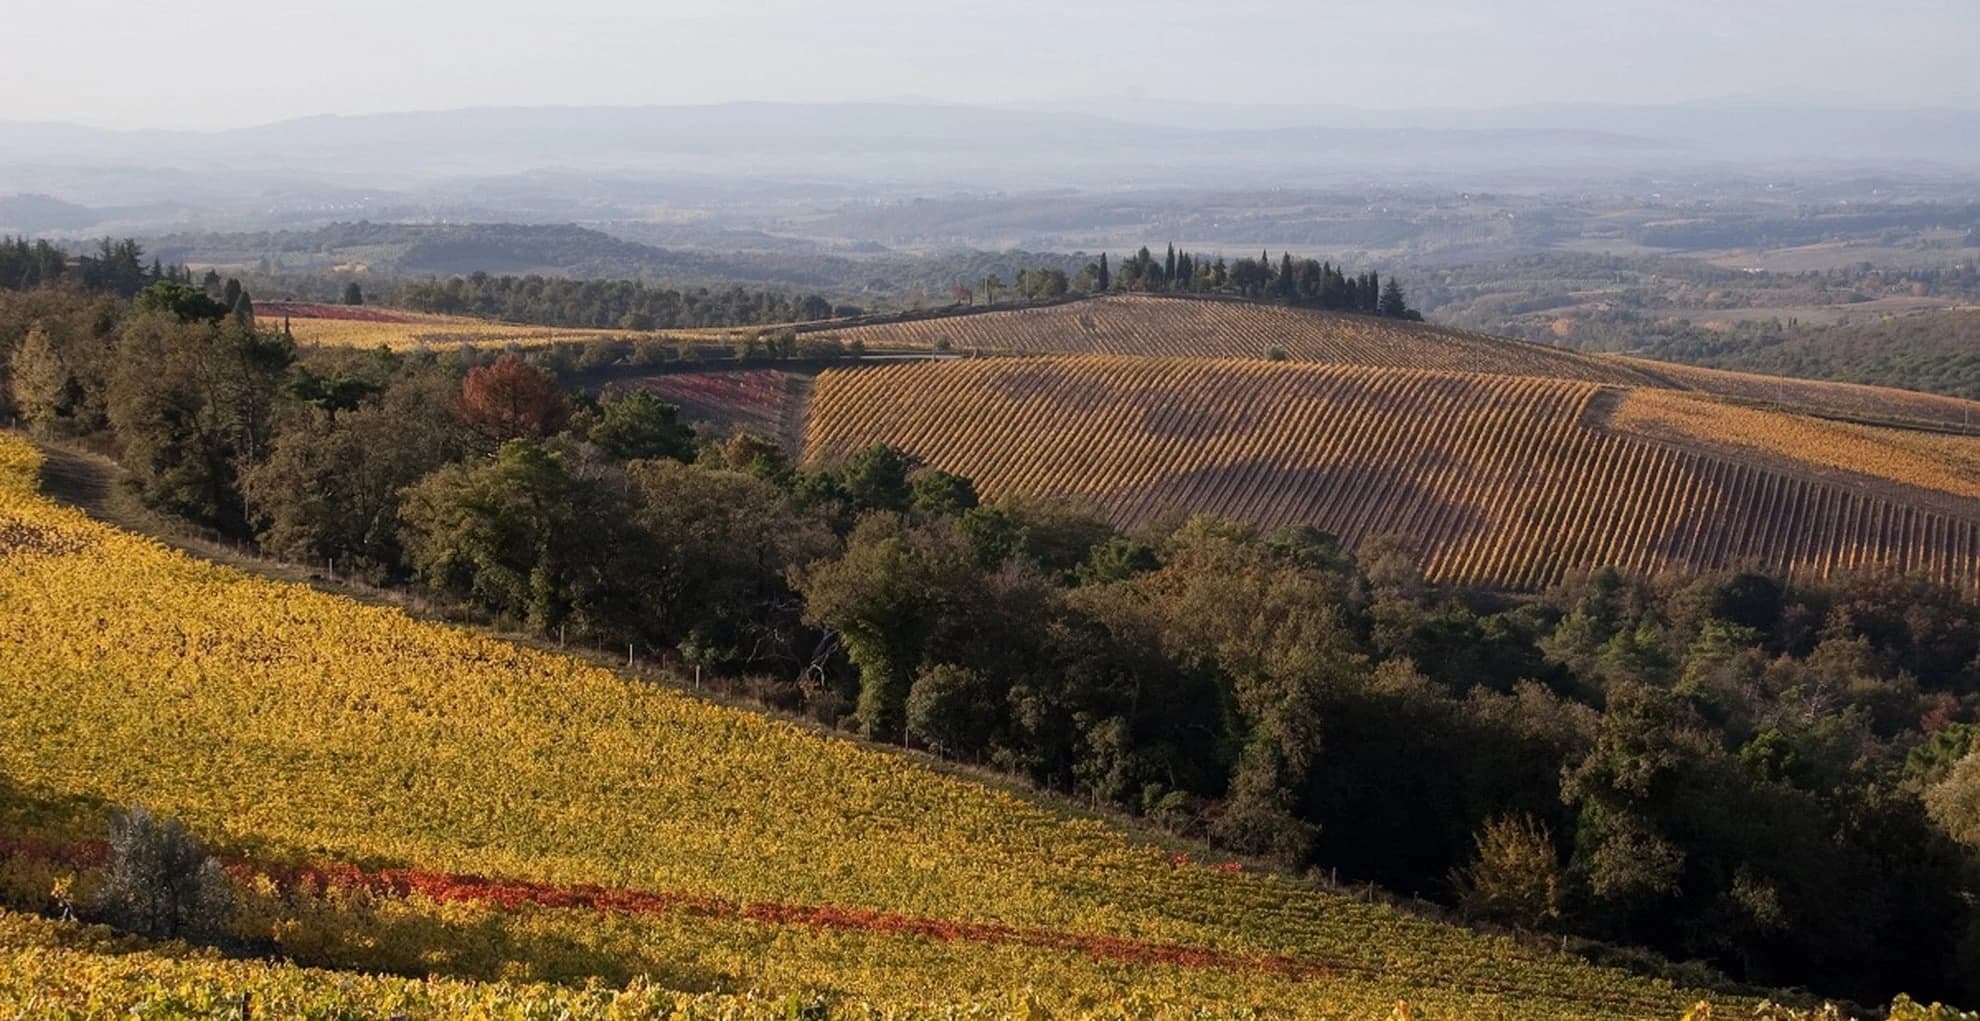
1105 281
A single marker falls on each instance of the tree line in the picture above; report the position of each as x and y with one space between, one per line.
611 304
1696 764
116 267
1307 283
638 305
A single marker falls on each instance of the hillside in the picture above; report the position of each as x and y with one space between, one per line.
1198 328
767 402
400 330
1938 350
1505 481
1183 327
419 799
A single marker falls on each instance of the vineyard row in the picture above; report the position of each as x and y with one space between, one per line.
1497 478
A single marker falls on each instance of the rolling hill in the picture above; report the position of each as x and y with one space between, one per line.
1200 328
401 797
1508 481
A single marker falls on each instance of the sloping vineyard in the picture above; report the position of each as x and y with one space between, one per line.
1505 481
1930 461
1206 328
754 400
1199 328
291 726
1873 404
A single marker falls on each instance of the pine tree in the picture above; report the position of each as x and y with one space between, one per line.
1394 303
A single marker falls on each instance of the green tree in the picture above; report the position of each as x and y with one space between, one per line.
721 543
885 598
524 538
332 486
1393 303
950 709
638 426
876 479
1275 629
183 302
193 405
353 294
936 493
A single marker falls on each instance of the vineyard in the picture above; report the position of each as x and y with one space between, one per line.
1845 400
405 331
1189 328
1504 481
763 401
1932 461
1192 328
479 811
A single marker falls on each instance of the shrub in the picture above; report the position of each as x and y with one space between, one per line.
1516 878
161 883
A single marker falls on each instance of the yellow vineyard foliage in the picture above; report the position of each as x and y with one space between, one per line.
1847 400
282 724
61 970
1947 463
1507 481
436 331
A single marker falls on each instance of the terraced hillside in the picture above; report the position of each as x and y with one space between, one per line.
1508 481
1206 328
406 798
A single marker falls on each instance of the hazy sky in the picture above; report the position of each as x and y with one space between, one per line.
224 63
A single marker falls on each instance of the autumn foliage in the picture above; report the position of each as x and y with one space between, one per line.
511 399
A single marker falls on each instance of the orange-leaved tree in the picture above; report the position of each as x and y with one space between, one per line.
511 398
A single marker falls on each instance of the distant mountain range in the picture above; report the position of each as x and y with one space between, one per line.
605 163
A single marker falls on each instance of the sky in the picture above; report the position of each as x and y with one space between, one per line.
215 64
